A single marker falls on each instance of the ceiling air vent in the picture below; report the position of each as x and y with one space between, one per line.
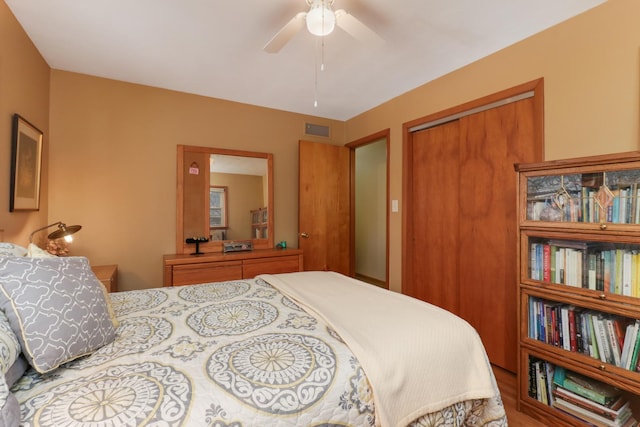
316 130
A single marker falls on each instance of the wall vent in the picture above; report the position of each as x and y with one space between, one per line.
316 130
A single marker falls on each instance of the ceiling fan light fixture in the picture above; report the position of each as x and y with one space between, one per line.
320 19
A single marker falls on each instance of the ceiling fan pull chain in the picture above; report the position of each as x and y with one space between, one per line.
322 60
315 71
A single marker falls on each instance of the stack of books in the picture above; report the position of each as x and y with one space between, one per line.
591 401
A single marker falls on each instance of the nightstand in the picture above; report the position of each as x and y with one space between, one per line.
108 275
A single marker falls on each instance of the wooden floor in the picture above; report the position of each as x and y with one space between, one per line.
507 385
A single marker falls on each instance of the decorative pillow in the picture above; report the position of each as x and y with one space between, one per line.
37 293
34 251
16 370
9 345
9 407
9 249
107 298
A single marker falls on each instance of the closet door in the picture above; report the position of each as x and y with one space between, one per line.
491 142
460 219
435 236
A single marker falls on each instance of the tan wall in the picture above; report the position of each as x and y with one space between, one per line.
113 144
24 89
590 65
114 151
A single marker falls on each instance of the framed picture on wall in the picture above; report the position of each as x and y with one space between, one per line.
26 166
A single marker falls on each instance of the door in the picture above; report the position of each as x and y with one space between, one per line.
461 241
435 165
496 139
324 206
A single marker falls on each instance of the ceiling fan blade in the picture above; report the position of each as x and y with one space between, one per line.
355 28
286 33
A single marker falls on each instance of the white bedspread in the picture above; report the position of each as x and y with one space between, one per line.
419 358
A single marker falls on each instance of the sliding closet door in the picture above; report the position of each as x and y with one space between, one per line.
491 142
435 236
460 237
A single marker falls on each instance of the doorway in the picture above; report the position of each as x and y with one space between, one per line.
369 212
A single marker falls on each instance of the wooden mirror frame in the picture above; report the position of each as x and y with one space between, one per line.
216 246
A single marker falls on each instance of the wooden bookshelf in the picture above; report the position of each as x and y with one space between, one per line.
578 284
260 223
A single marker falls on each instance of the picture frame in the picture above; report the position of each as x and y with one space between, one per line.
26 165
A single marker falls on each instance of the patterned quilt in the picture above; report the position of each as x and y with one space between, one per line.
235 353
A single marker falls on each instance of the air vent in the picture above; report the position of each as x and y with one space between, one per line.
316 130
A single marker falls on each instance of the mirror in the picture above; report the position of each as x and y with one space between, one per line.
223 195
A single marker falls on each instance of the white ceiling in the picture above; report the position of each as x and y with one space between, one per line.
214 48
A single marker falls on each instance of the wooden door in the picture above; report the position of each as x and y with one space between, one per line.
491 142
460 212
435 165
324 206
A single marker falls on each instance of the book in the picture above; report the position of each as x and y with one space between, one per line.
612 412
573 345
634 353
589 416
592 270
613 337
566 337
533 385
593 344
626 273
629 343
550 369
546 263
541 381
601 339
589 388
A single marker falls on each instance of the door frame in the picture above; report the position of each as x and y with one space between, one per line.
535 86
383 134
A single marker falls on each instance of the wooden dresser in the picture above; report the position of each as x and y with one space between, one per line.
183 269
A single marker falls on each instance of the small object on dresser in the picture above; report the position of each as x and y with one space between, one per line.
237 246
197 241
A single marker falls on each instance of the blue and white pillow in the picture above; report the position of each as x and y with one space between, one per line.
9 345
9 407
36 293
9 354
10 249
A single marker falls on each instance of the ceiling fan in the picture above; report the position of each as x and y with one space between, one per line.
321 20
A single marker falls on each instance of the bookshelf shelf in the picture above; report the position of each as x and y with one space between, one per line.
579 289
260 223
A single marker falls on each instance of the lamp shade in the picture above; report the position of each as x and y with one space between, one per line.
62 231
320 19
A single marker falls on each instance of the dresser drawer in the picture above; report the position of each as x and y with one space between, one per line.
183 269
190 274
272 265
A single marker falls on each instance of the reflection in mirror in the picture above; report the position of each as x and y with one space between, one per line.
223 195
247 179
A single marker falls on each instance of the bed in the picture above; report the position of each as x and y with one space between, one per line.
298 349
